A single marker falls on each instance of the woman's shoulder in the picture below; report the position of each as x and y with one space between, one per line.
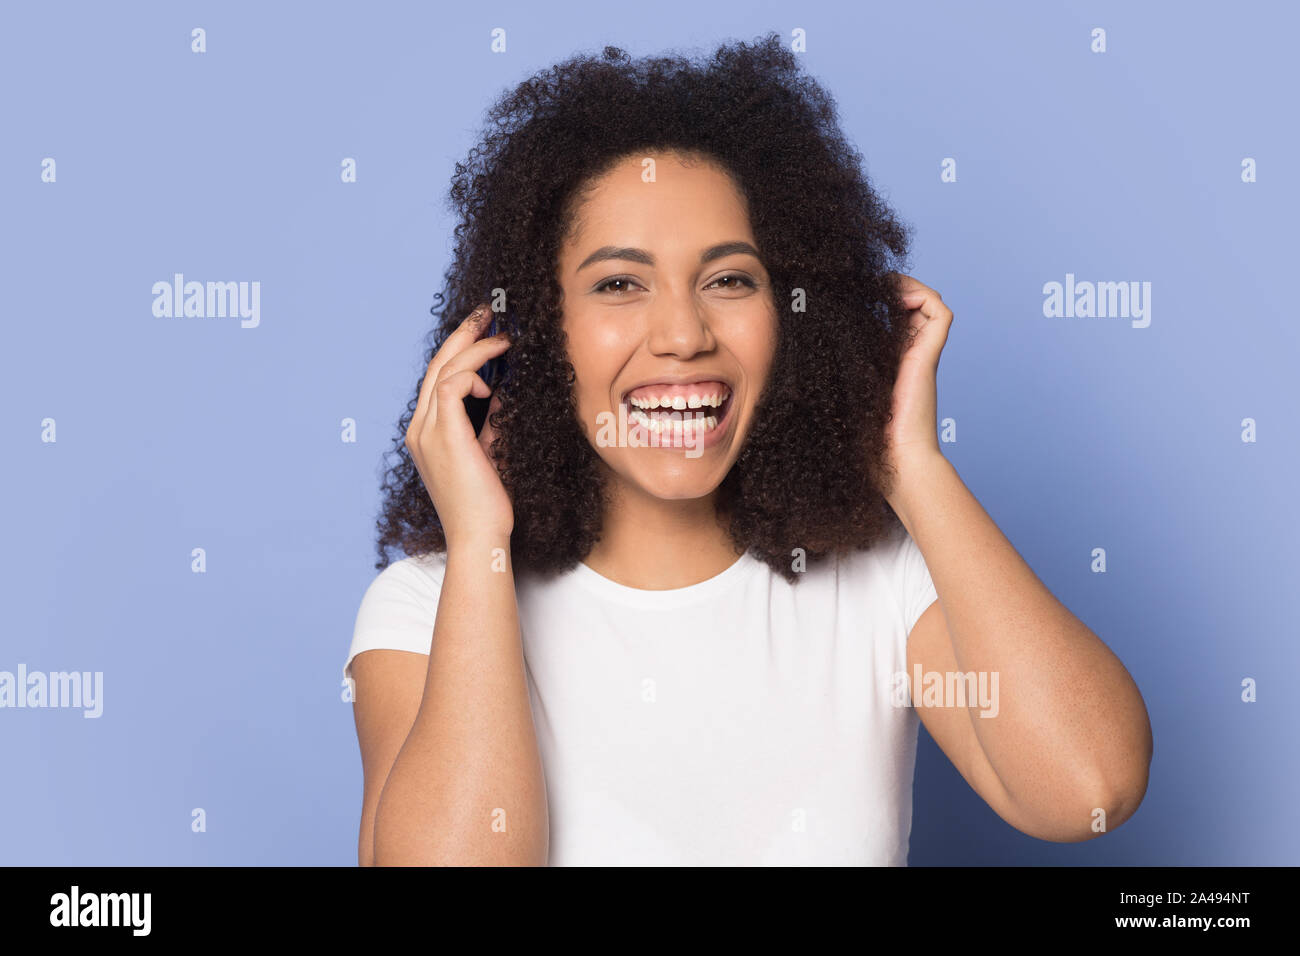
417 568
399 608
407 588
896 562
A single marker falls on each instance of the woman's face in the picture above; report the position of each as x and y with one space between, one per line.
670 321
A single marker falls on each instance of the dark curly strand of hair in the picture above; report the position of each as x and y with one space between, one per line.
811 473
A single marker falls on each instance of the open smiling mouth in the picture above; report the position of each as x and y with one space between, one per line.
678 414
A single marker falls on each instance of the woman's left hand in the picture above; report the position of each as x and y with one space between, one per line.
911 435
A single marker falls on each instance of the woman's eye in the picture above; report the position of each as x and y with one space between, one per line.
743 282
605 286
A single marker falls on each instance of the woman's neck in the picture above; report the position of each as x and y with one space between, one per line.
656 544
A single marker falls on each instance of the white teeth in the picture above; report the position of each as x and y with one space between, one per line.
673 428
681 402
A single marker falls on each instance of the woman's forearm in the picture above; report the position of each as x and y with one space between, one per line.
467 786
1072 730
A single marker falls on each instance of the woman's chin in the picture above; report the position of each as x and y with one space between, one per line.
682 479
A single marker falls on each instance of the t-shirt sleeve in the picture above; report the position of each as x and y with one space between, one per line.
398 610
915 588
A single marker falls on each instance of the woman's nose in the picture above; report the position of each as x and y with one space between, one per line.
679 329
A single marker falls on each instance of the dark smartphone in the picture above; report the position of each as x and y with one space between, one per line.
491 373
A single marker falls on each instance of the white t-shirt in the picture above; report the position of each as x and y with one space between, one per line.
743 720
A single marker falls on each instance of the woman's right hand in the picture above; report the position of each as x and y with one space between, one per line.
461 479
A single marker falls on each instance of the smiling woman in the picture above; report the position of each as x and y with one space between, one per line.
683 645
610 193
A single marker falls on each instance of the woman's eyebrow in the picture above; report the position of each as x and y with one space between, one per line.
640 255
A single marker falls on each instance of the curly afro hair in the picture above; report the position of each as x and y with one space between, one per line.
811 474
